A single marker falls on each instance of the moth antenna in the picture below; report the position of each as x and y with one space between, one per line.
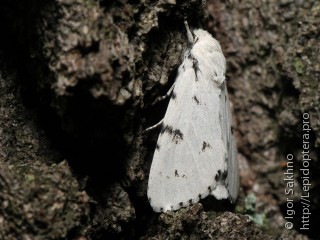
189 33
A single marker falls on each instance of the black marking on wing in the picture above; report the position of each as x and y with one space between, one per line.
228 145
173 95
222 86
196 68
161 209
180 204
166 128
199 196
221 176
177 135
195 65
231 129
216 177
195 40
224 175
209 188
190 201
205 145
196 99
157 147
176 173
196 76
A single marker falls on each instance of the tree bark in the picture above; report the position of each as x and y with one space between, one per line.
78 80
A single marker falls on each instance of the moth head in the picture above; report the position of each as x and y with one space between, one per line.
205 39
207 50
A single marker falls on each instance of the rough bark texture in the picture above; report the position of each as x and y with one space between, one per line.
77 83
274 74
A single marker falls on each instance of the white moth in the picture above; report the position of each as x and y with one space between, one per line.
196 150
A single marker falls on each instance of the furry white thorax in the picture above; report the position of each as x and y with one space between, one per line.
207 51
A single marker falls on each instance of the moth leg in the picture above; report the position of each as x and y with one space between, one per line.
154 126
158 100
161 98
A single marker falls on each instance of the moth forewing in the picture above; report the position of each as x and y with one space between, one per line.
196 152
